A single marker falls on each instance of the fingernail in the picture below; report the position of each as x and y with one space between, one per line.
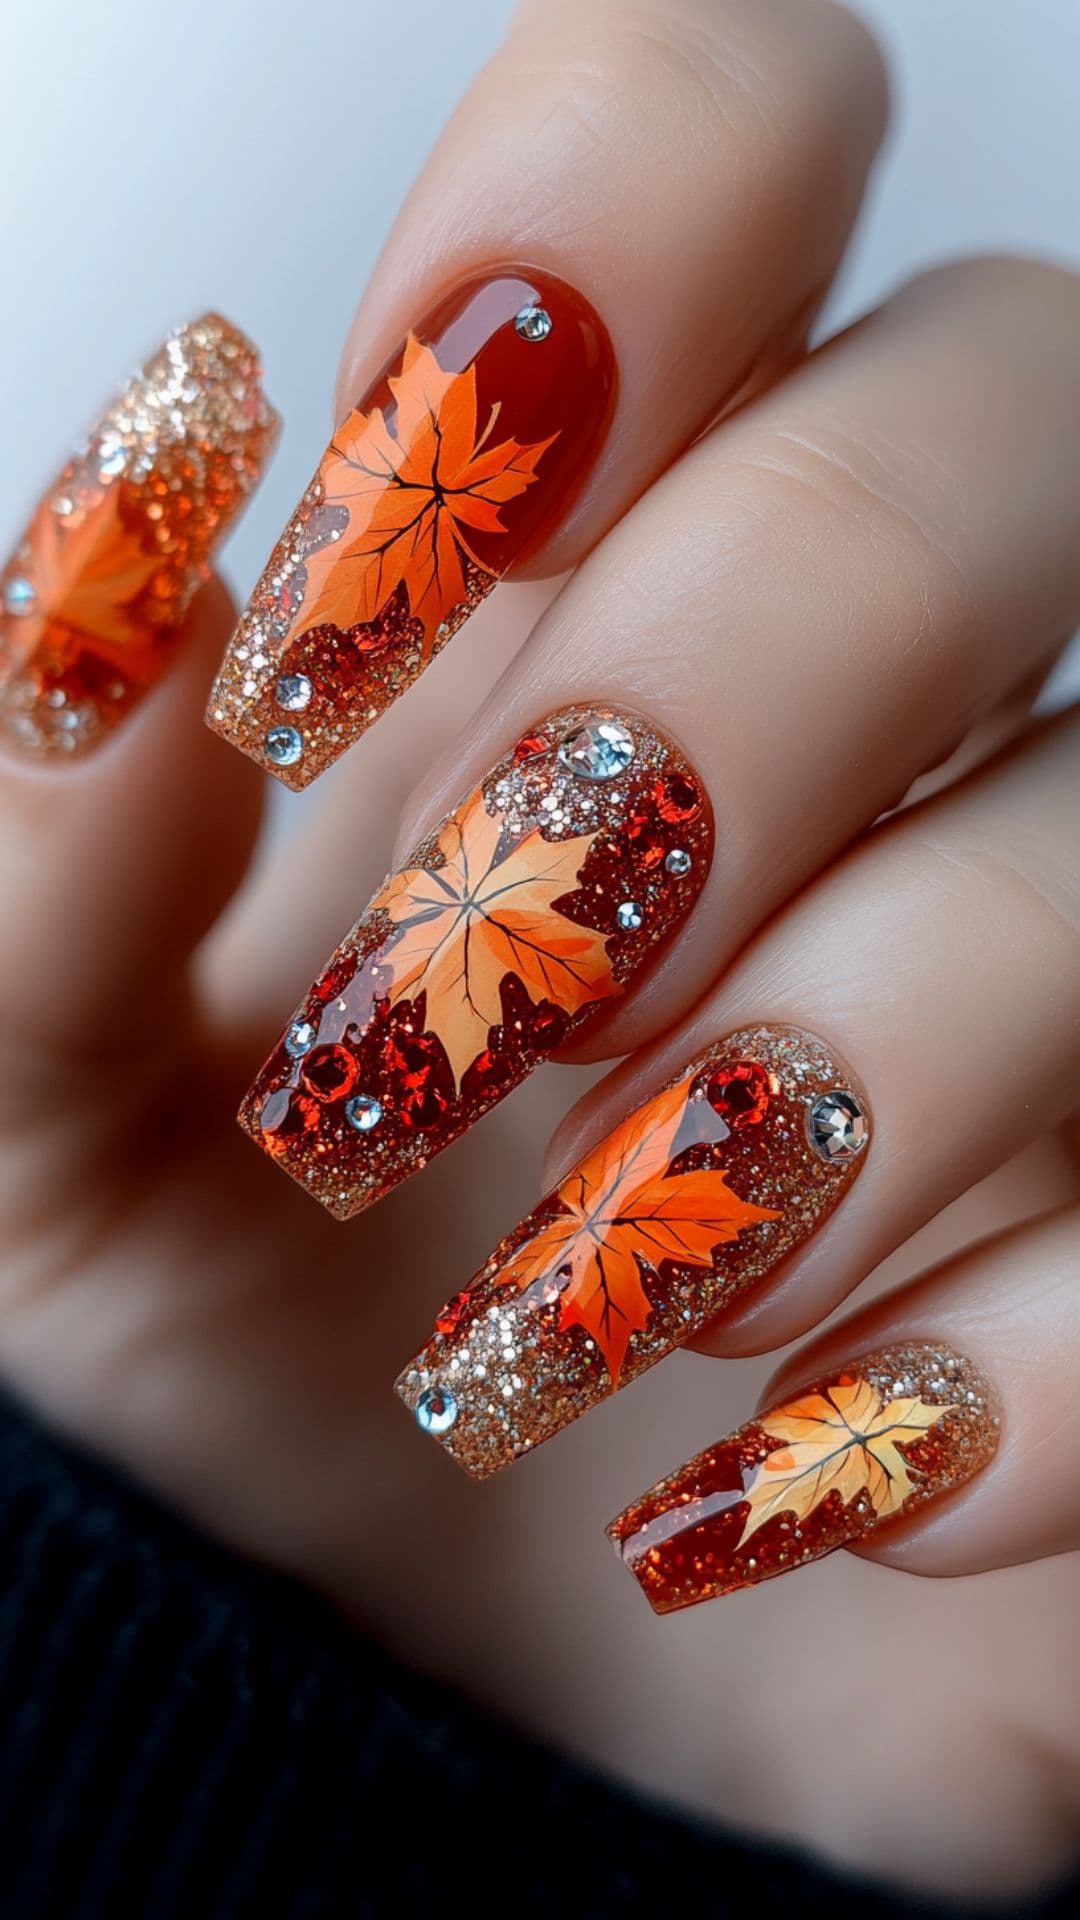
817 1472
93 599
696 1197
533 904
462 456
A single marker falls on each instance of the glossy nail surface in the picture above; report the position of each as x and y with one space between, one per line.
815 1473
462 456
693 1199
533 904
92 600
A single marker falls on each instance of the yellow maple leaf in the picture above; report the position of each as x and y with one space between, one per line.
619 1207
846 1441
467 924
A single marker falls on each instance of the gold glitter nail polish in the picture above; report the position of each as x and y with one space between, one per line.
93 599
692 1200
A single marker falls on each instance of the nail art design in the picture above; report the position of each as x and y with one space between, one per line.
92 600
536 901
695 1198
815 1473
468 447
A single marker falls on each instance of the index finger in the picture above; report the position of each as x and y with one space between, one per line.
673 189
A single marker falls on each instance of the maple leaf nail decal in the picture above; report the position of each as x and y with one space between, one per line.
626 1204
93 599
466 450
531 907
697 1196
820 1471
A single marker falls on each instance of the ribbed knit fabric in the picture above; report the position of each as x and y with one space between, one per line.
188 1738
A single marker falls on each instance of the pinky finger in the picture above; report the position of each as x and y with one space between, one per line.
936 1431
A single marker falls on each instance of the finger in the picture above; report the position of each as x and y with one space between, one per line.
941 962
122 821
799 706
870 1438
718 153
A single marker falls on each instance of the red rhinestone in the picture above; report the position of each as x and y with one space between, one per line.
741 1094
677 798
454 1312
530 746
328 1073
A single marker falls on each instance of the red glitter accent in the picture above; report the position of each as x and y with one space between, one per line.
335 980
419 1080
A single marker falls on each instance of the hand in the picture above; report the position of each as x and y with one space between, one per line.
842 596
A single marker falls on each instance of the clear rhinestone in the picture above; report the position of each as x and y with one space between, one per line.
19 595
300 1037
836 1126
111 458
599 750
678 862
436 1410
284 746
629 916
533 323
293 691
363 1112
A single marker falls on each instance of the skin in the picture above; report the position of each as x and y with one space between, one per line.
850 586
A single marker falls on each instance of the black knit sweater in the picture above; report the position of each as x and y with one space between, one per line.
186 1737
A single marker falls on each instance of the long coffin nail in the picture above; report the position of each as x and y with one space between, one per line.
817 1472
534 903
693 1199
92 600
462 456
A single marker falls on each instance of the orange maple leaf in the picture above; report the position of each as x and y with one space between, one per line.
621 1207
467 924
410 494
845 1441
88 573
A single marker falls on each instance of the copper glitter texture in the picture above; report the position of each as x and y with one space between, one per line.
461 457
506 930
93 599
823 1469
692 1200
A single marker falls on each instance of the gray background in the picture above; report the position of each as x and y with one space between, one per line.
249 154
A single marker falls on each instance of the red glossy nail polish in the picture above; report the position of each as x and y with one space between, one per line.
460 460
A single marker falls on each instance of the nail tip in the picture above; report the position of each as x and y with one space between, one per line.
749 1509
161 479
364 633
388 1061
